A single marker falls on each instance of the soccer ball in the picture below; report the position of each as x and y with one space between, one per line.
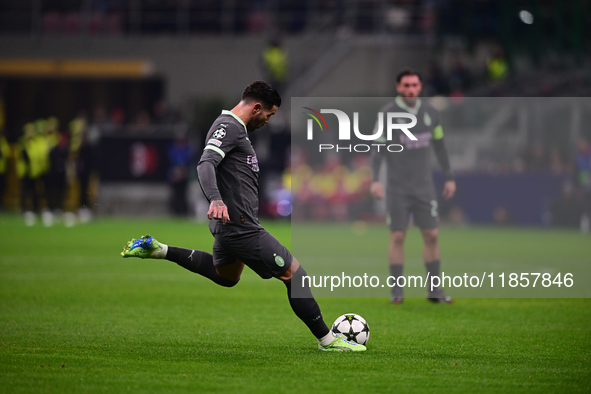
352 327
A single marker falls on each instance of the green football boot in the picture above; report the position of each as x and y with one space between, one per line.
145 247
342 345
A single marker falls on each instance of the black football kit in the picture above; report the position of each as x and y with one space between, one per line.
409 178
236 171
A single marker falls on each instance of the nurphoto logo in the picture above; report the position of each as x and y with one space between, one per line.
393 120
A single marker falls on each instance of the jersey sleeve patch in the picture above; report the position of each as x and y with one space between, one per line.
215 142
438 132
219 133
215 149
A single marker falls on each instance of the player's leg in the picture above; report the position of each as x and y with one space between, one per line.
28 193
196 261
306 308
225 270
396 247
396 260
431 257
431 253
397 220
304 305
426 218
231 272
266 256
430 244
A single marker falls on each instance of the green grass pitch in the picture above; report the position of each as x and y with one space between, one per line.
75 317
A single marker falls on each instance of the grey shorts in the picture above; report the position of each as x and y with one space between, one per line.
258 249
423 208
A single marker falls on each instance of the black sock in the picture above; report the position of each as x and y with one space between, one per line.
199 262
306 308
433 268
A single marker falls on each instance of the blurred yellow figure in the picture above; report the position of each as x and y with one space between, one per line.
77 128
275 63
52 132
30 168
4 156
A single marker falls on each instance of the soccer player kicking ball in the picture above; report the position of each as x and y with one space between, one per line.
229 177
409 182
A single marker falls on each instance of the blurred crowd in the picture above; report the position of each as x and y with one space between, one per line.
331 190
569 207
538 158
57 168
572 208
54 167
117 17
459 75
116 120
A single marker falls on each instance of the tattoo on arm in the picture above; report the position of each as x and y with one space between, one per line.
218 203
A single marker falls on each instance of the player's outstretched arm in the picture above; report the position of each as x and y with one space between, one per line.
206 175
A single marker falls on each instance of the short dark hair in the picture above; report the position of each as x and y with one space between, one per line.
262 92
407 71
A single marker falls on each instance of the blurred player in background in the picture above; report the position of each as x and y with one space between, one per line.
4 156
275 64
57 178
180 157
409 182
49 138
229 177
29 170
85 166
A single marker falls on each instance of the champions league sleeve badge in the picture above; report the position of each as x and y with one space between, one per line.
219 134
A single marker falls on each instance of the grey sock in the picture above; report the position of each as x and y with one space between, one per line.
395 272
433 267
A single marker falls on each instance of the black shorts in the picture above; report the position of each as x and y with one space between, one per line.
258 249
422 207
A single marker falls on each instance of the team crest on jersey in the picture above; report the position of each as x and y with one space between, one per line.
427 119
253 161
219 134
215 142
279 260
